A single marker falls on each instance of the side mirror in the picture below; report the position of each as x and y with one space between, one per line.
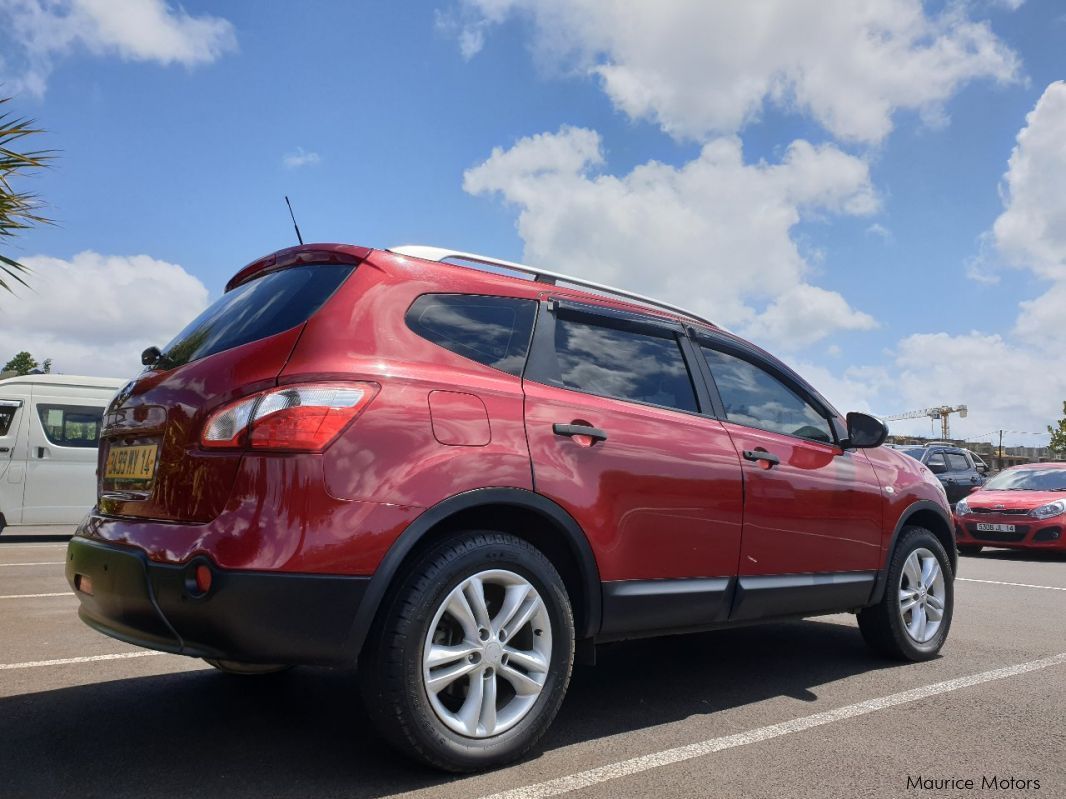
937 468
151 356
865 431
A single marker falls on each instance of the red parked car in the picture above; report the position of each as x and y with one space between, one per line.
1023 507
464 478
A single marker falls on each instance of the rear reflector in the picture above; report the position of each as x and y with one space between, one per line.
203 578
304 417
83 583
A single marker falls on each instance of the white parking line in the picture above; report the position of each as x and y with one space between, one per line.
35 596
625 768
38 563
1019 585
36 664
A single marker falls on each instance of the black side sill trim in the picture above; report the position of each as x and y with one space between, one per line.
636 606
759 597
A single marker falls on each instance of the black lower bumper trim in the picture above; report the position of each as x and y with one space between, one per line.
255 617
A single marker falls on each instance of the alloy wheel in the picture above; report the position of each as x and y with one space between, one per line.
487 653
922 595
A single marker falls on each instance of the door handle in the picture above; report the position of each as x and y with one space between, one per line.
40 452
761 455
5 449
579 430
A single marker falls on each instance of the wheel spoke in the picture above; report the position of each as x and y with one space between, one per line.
933 601
474 590
933 613
907 604
513 598
930 571
470 712
528 660
444 677
522 684
527 612
487 719
917 626
459 609
439 654
913 570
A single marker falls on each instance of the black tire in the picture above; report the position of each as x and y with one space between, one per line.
240 669
882 625
970 549
390 667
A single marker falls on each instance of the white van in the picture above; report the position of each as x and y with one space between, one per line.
49 434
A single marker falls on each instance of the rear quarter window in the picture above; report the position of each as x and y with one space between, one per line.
255 310
493 331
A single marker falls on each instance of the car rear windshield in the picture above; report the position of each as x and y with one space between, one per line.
914 452
1028 480
255 310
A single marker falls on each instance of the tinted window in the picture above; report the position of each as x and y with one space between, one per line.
914 452
937 459
623 364
755 398
7 416
71 425
494 331
957 462
259 308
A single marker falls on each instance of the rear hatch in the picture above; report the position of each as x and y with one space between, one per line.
151 462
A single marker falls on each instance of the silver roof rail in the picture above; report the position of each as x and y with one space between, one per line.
441 254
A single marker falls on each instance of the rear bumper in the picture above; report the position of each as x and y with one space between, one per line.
256 617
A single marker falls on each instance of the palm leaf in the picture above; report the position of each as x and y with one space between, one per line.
18 209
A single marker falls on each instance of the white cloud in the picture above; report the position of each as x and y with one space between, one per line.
94 314
299 157
41 31
713 234
1031 231
705 68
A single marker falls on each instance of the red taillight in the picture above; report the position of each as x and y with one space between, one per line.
202 577
305 416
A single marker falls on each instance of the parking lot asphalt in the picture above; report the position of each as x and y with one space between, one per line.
799 709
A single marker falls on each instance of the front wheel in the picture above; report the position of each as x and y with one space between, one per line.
912 619
471 659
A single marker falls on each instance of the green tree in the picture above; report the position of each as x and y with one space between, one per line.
18 209
1058 433
22 364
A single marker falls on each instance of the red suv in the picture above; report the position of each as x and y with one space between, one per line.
465 478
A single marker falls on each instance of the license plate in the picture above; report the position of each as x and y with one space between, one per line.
985 527
131 463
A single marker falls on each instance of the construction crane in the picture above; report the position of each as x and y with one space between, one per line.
941 412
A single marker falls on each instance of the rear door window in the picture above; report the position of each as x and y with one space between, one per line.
937 459
71 425
493 331
755 398
255 310
624 364
957 462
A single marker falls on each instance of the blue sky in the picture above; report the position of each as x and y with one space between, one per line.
180 129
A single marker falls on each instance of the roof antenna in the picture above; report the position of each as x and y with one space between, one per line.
298 236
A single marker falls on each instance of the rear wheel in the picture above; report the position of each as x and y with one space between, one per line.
471 659
912 619
970 549
246 669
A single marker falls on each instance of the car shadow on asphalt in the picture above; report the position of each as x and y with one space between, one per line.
303 733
